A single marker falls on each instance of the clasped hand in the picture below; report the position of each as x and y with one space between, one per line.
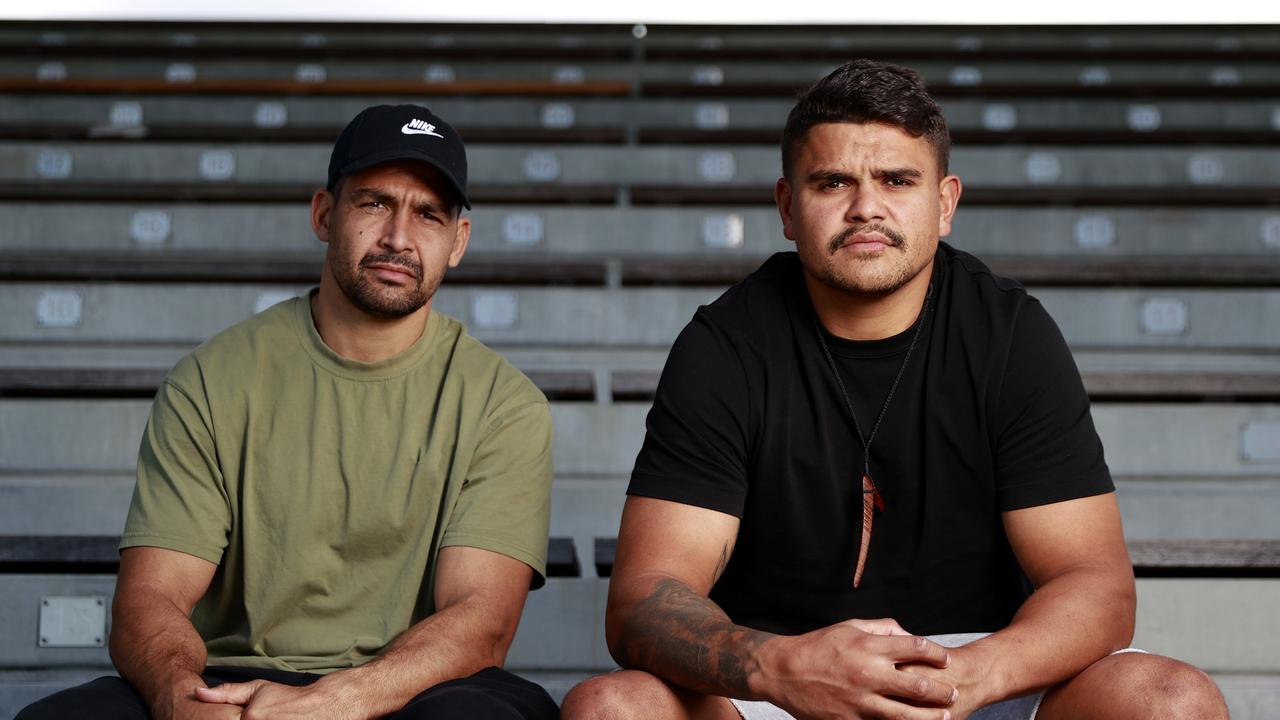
263 700
851 670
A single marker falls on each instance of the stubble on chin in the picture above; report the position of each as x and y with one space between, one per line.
866 274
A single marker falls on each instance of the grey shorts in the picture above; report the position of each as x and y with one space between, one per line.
1019 708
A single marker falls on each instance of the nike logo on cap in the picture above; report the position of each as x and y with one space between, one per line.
420 127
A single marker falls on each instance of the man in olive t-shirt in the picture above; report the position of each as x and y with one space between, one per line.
342 501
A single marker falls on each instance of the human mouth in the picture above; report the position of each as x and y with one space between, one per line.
392 269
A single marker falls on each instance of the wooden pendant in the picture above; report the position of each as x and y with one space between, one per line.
872 502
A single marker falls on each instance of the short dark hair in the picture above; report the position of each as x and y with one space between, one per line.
866 91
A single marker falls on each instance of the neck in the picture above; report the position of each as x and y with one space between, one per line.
857 316
356 335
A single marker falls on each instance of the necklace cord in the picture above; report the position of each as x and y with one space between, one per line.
866 442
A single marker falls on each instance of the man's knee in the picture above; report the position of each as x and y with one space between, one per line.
630 694
1172 689
1138 685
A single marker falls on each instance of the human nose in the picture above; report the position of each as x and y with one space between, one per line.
865 204
395 231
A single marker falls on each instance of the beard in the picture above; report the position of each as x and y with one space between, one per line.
867 274
385 300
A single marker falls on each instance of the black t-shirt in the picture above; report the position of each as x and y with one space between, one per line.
990 416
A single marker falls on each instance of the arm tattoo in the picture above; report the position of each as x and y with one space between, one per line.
685 638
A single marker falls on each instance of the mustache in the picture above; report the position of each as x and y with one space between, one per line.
392 259
896 239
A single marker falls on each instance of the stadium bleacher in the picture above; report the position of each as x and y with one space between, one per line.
153 181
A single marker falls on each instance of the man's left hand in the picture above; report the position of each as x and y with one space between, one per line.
966 672
263 700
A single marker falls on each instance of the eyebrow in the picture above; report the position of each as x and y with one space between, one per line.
840 175
387 199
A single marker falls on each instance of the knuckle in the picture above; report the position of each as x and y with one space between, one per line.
920 686
920 643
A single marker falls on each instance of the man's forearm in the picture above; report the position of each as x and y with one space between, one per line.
1065 626
454 642
155 647
687 639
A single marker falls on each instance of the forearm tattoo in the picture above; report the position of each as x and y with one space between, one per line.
685 638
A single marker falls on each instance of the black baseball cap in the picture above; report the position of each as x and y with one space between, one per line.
383 133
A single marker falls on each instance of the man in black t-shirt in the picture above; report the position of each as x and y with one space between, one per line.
868 451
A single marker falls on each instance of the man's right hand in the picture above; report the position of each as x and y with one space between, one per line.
849 670
183 705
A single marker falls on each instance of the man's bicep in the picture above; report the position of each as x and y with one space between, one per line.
148 572
661 538
471 573
1055 539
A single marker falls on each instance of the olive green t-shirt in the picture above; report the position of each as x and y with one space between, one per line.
323 488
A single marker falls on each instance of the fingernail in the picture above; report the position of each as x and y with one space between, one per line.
946 715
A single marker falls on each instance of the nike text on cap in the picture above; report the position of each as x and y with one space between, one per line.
384 133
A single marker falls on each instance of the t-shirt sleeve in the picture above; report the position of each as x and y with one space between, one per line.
1047 449
505 502
179 501
695 448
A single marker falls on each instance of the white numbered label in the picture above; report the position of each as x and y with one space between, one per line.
53 164
1225 76
180 73
541 167
523 229
1095 75
1205 169
1260 442
1043 168
1143 118
51 72
150 227
270 115
557 116
708 75
217 165
717 166
711 116
568 75
439 74
270 299
1164 316
1271 232
968 43
125 113
314 40
722 231
183 40
999 118
59 309
1095 232
495 310
965 76
310 73
639 31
